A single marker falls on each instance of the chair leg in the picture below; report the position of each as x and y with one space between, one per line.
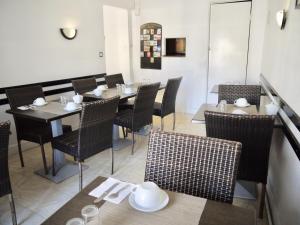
132 150
262 201
20 153
13 209
80 175
162 124
124 134
44 158
174 120
112 161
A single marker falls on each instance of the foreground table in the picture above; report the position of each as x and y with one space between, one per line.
214 213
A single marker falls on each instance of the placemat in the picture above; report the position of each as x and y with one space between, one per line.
181 209
52 107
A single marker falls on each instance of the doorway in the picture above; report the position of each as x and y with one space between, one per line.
117 49
228 45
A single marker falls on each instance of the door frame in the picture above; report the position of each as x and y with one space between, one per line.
209 29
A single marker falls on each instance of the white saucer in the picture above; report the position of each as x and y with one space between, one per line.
134 205
242 106
40 105
71 110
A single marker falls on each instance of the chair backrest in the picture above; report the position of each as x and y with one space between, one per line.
82 86
5 187
194 165
96 127
143 105
232 92
113 80
255 134
169 98
24 95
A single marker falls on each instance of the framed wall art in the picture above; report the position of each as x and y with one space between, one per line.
151 39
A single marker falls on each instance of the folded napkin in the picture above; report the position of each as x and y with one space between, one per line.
123 188
239 111
25 107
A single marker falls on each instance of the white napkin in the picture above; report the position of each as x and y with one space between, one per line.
99 191
23 108
239 111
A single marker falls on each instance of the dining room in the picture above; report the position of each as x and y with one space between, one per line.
138 112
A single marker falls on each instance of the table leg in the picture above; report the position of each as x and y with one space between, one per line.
119 143
63 168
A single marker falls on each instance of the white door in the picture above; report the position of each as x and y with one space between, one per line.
228 53
116 32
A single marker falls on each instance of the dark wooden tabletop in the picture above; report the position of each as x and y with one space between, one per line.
215 213
42 114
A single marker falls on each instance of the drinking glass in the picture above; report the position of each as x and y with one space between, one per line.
90 213
222 105
63 100
75 221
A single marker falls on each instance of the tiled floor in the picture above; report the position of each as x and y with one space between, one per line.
37 198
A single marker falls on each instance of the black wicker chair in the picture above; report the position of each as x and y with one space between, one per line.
194 165
255 134
141 114
5 186
167 106
94 134
232 92
82 86
113 80
28 129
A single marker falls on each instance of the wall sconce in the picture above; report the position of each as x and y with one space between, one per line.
281 18
68 33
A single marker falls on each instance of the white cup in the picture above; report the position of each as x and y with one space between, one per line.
71 106
78 99
272 109
39 101
97 92
148 195
241 102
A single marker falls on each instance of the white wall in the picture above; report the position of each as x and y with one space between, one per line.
281 53
189 19
33 50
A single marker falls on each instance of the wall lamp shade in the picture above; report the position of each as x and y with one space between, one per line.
68 33
281 18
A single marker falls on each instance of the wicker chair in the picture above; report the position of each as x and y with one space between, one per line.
113 80
141 114
28 129
82 86
232 92
194 165
255 134
94 134
5 186
167 106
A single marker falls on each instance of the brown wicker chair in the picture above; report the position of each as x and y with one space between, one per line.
232 92
5 186
94 134
255 134
28 129
194 165
82 86
141 114
113 80
167 106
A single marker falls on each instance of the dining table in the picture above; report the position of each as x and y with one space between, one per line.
181 209
53 113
